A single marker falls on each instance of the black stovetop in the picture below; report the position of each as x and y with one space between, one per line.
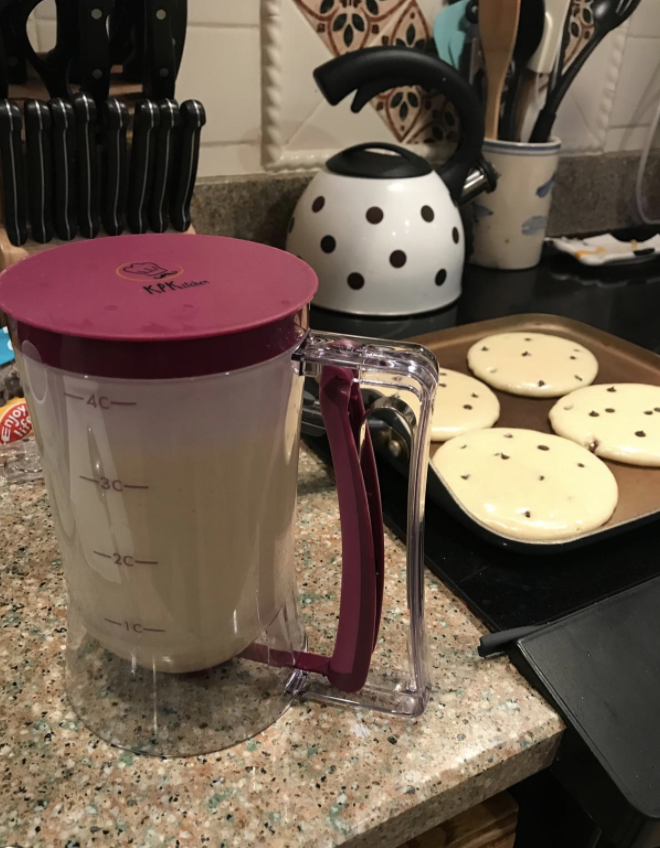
507 589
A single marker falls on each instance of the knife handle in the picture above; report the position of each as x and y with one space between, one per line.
94 51
39 152
116 119
161 63
145 127
13 172
87 173
64 159
193 118
159 208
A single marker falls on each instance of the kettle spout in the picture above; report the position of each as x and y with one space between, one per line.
483 177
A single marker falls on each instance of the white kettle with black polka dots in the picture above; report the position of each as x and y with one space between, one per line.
379 226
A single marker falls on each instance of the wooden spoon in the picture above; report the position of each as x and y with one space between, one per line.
498 29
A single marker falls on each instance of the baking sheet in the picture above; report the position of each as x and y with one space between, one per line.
619 362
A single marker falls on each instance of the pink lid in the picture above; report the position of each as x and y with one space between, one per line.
152 306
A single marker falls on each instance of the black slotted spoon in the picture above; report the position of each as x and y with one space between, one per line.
608 15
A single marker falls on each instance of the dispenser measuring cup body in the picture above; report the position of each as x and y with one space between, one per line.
175 506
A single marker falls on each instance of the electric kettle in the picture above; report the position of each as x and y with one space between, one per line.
164 376
379 226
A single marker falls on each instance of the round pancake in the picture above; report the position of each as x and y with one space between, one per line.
532 364
526 484
619 421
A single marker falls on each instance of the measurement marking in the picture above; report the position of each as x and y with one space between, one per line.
122 403
129 486
153 630
98 553
145 562
110 621
74 397
89 479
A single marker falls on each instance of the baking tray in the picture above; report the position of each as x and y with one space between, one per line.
619 362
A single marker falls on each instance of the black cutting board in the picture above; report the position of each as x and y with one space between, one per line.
600 668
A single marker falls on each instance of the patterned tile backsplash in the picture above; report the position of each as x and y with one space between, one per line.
251 62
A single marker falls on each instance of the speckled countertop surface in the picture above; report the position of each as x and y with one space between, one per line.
320 776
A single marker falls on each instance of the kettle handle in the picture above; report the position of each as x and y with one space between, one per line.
376 69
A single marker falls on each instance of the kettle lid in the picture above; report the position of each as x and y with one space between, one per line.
157 306
361 161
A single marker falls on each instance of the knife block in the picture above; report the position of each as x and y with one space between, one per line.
10 253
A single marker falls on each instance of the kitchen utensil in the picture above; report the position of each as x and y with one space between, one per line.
618 360
64 168
545 58
161 58
510 223
530 32
377 224
186 162
165 374
54 68
86 113
39 169
17 68
115 122
498 30
449 32
607 15
13 172
143 159
94 49
179 29
170 123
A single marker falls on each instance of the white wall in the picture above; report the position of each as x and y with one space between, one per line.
250 62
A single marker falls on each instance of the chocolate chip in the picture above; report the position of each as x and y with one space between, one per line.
508 435
611 389
442 373
568 408
640 433
593 414
541 477
572 357
474 395
580 464
577 377
656 408
484 348
576 350
526 353
504 456
466 406
442 385
528 340
543 447
609 409
463 447
528 514
541 383
648 412
465 476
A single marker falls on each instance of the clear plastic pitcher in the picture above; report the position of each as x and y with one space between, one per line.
164 377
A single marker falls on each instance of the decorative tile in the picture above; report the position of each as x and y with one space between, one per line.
347 25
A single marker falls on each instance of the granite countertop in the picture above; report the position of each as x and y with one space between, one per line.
321 776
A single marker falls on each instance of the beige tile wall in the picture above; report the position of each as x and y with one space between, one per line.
264 110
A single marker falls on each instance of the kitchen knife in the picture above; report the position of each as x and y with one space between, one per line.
193 118
159 208
13 172
115 119
53 68
64 159
39 167
161 61
179 28
94 52
145 126
87 172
